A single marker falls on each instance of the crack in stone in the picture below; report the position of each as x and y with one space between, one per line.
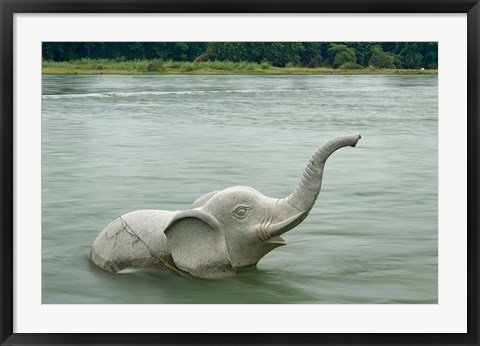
155 257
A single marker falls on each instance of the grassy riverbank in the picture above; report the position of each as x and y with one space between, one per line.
108 66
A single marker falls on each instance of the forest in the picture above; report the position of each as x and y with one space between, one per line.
342 55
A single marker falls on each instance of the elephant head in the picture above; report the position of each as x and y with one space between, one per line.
230 230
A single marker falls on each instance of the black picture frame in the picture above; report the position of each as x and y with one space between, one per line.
10 7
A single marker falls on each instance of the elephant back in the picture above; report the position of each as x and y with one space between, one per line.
133 240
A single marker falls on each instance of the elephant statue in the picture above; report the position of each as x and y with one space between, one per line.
224 231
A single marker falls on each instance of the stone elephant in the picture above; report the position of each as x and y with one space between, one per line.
224 231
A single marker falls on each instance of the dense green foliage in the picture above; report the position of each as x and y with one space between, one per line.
409 55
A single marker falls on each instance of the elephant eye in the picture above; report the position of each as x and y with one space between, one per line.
240 212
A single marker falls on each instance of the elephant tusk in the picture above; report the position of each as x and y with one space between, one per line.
279 228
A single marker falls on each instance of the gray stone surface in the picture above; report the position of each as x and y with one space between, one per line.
224 232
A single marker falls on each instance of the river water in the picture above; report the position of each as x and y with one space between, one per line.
114 144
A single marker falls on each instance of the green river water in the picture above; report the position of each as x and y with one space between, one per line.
114 144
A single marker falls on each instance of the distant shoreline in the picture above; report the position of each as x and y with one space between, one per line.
156 67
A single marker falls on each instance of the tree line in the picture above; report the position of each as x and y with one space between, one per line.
407 55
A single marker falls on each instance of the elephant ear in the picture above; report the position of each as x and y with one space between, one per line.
198 246
202 200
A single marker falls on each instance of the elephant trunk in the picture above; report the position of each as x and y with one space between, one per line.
306 193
